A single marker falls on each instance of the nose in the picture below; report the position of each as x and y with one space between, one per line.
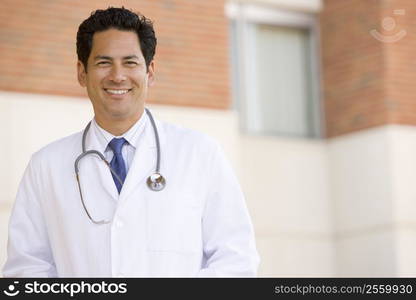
117 74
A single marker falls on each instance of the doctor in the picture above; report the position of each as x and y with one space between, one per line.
191 220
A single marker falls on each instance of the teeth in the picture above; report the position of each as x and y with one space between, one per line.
117 92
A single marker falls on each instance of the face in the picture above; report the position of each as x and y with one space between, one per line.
116 77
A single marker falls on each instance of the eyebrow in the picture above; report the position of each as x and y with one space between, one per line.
110 58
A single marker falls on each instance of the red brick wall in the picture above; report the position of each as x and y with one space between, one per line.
367 82
37 48
401 63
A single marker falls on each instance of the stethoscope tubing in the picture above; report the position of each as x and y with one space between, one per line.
156 184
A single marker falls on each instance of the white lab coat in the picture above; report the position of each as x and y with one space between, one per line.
197 226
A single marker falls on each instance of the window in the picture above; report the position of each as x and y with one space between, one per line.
275 73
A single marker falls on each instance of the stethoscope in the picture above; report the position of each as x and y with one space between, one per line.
155 182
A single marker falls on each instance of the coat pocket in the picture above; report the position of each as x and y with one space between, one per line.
174 224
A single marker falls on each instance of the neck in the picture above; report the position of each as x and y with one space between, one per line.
117 127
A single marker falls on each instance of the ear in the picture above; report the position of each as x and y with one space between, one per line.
151 73
82 74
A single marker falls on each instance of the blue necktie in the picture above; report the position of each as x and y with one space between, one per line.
117 163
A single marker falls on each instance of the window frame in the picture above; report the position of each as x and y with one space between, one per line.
244 16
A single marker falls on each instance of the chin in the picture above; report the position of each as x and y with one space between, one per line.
125 112
119 109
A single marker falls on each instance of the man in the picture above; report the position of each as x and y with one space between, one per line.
109 220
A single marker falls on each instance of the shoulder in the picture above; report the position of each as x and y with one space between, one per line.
56 150
177 134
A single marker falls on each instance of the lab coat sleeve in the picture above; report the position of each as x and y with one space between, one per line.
28 250
228 235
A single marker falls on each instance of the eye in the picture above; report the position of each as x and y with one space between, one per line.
103 63
131 63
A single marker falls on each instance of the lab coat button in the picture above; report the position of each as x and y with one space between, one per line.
119 224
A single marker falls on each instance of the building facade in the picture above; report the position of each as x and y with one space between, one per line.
311 100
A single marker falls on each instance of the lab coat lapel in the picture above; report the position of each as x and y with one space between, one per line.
98 168
144 161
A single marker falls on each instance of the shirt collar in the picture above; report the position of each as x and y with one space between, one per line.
131 136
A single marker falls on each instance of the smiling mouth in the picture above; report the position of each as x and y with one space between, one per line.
118 91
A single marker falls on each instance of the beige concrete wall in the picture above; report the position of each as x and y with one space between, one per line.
373 191
4 218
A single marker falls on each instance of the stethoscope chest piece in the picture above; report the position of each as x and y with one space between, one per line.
156 182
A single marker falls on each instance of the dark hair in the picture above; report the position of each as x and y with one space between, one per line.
117 18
